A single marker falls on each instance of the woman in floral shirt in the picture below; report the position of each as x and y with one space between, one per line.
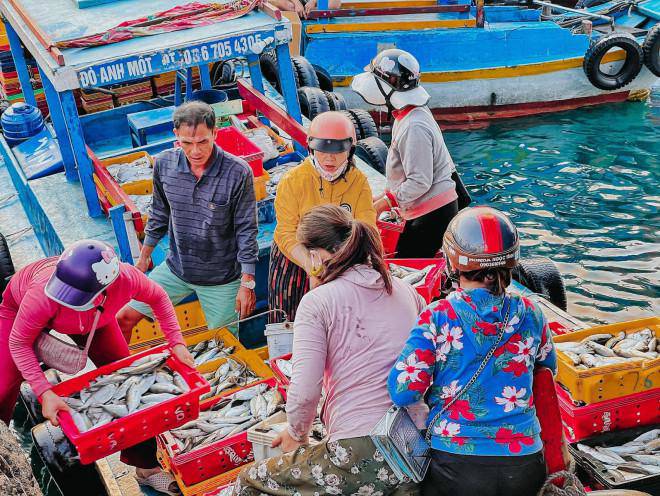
487 442
348 331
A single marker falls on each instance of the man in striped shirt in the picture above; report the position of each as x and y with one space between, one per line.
203 200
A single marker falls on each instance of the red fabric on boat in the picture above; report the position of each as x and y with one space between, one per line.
190 15
547 411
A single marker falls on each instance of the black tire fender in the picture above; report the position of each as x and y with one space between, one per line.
324 77
651 49
365 122
335 100
540 275
6 265
304 72
628 71
223 73
312 101
373 151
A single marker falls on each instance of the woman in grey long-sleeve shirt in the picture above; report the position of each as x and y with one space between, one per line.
419 166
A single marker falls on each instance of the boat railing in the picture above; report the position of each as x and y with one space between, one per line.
582 12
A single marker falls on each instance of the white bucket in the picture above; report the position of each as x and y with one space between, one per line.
261 441
280 339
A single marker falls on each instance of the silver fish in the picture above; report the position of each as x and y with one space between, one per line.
102 380
180 382
601 457
81 420
160 387
156 398
614 340
647 459
74 403
187 433
163 377
206 356
597 337
116 411
600 349
102 396
249 393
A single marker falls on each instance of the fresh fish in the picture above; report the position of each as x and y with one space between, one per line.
249 393
81 420
187 433
597 337
206 356
157 398
102 396
199 347
647 459
287 368
160 387
122 389
575 358
646 437
589 360
110 379
150 359
163 377
74 403
180 382
614 340
133 398
104 418
116 411
601 457
600 349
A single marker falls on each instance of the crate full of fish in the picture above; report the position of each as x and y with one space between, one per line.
628 459
423 274
626 412
390 227
216 442
210 487
282 369
233 373
195 332
607 362
129 401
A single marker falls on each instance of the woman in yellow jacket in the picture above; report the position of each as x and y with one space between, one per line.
327 175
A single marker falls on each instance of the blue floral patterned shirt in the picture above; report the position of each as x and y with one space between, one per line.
496 416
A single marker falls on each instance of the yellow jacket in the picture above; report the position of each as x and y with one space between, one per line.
302 189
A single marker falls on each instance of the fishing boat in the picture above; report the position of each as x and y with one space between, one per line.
85 201
501 60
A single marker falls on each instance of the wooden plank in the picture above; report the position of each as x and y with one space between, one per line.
371 27
271 10
273 112
326 14
43 38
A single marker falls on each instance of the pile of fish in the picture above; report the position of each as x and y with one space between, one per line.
391 216
599 350
265 142
317 432
229 375
414 277
210 349
632 460
142 203
144 383
231 415
132 171
276 174
285 367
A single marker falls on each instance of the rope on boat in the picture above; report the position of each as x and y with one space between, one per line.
570 485
190 15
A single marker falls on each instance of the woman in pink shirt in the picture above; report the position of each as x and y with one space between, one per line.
64 295
346 337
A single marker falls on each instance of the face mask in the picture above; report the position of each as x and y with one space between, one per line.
329 176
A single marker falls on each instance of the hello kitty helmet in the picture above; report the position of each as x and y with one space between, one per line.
84 271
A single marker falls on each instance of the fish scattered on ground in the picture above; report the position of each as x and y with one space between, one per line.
632 460
599 350
414 277
231 415
144 383
229 375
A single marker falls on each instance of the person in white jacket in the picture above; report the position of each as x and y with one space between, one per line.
419 167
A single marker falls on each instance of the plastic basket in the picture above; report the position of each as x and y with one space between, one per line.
261 441
611 381
208 461
147 333
597 480
235 142
142 187
280 338
389 235
281 379
260 186
434 279
249 358
635 410
139 426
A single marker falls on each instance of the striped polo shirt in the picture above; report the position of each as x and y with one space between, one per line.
211 222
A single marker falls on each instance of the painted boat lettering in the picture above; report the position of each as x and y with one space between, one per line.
168 60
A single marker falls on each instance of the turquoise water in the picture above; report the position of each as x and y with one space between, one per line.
584 189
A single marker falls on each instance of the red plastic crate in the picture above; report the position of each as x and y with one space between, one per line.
434 279
233 141
634 410
208 461
139 426
281 379
390 233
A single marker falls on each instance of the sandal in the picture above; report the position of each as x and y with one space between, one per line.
161 481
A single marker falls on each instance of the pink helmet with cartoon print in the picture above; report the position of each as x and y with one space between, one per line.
83 271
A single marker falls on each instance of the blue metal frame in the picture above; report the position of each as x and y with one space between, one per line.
204 76
119 227
21 65
289 88
84 163
59 124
